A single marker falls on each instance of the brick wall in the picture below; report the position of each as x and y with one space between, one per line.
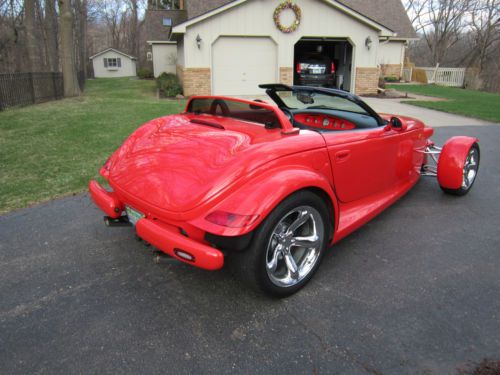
367 80
196 81
286 76
391 70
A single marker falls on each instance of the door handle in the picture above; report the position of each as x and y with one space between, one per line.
342 155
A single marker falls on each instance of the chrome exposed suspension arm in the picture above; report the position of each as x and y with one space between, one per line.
432 152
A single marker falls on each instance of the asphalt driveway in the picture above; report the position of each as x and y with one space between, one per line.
416 291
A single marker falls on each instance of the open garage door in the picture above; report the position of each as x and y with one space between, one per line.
325 62
240 64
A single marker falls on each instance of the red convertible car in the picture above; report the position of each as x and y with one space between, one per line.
269 188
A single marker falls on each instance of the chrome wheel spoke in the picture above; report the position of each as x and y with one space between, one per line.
307 242
470 169
301 220
273 264
292 266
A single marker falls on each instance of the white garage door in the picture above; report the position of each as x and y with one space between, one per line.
240 64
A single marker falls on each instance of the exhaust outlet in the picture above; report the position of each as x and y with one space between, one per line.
122 221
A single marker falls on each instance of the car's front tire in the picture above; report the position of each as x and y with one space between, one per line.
288 246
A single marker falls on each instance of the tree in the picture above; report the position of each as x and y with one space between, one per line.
32 62
485 24
51 32
70 78
441 22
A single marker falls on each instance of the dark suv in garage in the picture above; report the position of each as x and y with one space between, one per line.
315 69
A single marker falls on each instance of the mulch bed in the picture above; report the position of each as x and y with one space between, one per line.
487 367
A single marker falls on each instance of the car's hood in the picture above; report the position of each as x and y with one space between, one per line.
176 165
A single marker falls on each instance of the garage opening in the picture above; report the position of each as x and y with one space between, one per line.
325 62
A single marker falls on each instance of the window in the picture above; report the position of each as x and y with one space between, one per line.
113 62
167 22
171 4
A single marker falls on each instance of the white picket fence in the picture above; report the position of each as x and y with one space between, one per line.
454 77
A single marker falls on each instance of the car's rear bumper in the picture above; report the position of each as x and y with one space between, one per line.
162 236
105 200
179 246
317 80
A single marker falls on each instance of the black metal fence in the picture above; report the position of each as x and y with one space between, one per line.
19 89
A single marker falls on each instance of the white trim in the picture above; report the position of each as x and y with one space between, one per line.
151 42
114 50
402 39
385 31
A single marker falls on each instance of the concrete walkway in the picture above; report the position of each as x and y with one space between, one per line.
428 116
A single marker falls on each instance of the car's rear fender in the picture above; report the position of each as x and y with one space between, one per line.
261 195
452 160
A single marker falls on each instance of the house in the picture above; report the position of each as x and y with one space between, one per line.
112 63
223 47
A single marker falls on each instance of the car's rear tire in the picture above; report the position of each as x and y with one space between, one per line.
287 247
471 167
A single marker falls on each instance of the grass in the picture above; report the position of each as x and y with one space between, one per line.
478 104
53 149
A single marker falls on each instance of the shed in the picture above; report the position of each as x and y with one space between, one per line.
112 63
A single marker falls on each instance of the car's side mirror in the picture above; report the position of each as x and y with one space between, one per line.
396 123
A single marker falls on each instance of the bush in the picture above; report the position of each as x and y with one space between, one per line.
391 79
145 74
169 84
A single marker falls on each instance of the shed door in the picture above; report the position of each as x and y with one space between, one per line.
240 64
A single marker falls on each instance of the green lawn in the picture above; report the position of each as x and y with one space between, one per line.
53 149
469 103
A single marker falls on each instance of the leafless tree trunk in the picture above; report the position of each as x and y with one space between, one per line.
51 32
31 63
70 78
134 29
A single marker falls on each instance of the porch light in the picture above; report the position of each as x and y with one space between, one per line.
198 41
368 42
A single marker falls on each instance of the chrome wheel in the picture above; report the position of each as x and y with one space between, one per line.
294 246
470 168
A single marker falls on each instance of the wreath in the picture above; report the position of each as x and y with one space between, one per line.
295 9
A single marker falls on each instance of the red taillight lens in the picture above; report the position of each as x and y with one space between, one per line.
298 69
227 219
333 67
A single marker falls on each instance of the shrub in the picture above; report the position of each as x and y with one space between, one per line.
169 84
145 74
391 79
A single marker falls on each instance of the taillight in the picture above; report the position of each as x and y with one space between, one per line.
298 68
333 67
227 219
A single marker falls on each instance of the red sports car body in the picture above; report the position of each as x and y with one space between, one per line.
271 187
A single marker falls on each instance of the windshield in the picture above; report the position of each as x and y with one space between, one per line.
316 100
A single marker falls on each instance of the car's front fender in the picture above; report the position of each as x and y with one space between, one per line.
263 193
452 160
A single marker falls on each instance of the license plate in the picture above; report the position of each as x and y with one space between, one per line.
133 215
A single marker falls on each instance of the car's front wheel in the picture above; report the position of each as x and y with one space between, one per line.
288 246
